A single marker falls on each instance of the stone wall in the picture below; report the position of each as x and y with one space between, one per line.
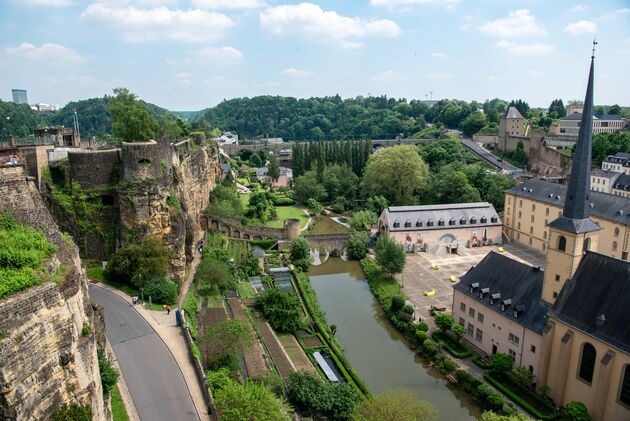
92 168
485 139
44 359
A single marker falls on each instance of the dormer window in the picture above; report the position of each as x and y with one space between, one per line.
518 311
494 297
462 221
484 219
451 221
473 220
441 222
396 224
418 223
494 219
430 223
473 286
407 224
483 292
505 304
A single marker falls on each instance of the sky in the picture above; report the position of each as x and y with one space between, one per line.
187 55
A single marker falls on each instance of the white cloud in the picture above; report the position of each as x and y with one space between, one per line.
389 76
293 72
139 25
581 27
228 4
525 49
309 20
440 75
51 3
578 8
468 22
449 4
614 14
517 23
439 55
219 53
49 52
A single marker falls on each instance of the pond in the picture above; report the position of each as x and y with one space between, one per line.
376 350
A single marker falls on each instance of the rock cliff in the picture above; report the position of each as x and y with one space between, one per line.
45 360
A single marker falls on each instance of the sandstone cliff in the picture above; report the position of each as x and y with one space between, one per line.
44 358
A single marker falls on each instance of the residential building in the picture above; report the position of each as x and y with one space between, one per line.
434 227
19 96
284 180
622 186
58 136
498 302
620 162
603 180
43 108
227 138
569 126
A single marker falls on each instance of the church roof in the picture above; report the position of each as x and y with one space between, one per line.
596 300
512 112
606 206
513 286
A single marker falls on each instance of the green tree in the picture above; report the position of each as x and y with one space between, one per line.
255 161
473 123
300 249
358 244
401 405
390 255
131 122
169 127
251 401
280 309
442 152
524 376
72 412
274 170
575 411
225 338
343 400
260 206
214 275
451 185
615 110
521 106
396 173
444 321
362 220
109 374
459 331
502 362
557 109
224 201
308 392
146 259
308 187
376 204
398 302
314 207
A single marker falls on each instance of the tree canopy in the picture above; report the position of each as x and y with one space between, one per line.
390 255
399 405
131 121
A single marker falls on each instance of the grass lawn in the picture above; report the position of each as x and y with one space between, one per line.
245 290
119 412
96 273
288 212
215 301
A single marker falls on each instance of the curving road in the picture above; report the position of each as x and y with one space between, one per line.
486 155
155 382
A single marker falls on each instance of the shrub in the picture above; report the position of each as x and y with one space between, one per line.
429 347
308 392
362 220
109 374
422 326
300 249
86 329
358 244
482 363
407 309
314 207
160 289
459 331
72 412
444 322
420 337
575 411
454 347
489 397
502 362
280 309
145 259
398 302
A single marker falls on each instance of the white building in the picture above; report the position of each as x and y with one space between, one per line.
603 180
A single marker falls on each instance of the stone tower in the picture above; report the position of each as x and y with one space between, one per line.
571 234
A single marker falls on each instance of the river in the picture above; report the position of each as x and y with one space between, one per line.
376 350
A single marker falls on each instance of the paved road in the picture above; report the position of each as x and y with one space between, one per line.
486 155
155 382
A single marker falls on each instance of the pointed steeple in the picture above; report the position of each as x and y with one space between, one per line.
575 215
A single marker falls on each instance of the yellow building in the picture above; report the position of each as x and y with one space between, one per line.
529 207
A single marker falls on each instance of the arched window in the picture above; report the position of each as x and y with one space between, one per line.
562 243
545 235
441 222
587 362
587 244
533 207
532 218
624 389
614 246
616 231
547 212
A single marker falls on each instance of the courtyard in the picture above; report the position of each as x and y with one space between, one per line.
419 276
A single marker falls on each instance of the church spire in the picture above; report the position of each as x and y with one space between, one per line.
575 215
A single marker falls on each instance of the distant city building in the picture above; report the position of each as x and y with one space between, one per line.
227 138
286 174
570 109
43 108
621 187
620 163
19 96
513 123
569 126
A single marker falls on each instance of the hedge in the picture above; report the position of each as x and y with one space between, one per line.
482 363
516 392
451 346
264 244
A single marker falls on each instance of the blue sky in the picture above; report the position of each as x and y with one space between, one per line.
191 54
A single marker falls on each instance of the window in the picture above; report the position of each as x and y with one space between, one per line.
520 203
508 211
587 244
557 278
545 235
533 207
471 329
479 335
532 218
562 243
513 339
530 240
471 312
519 214
587 363
480 317
462 307
533 349
518 225
547 212
614 246
555 294
546 222
462 321
512 355
624 393
531 230
616 231
509 200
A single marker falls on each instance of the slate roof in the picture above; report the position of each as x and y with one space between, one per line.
622 183
226 168
258 252
428 217
513 280
605 117
600 286
512 112
574 116
606 206
618 158
598 172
